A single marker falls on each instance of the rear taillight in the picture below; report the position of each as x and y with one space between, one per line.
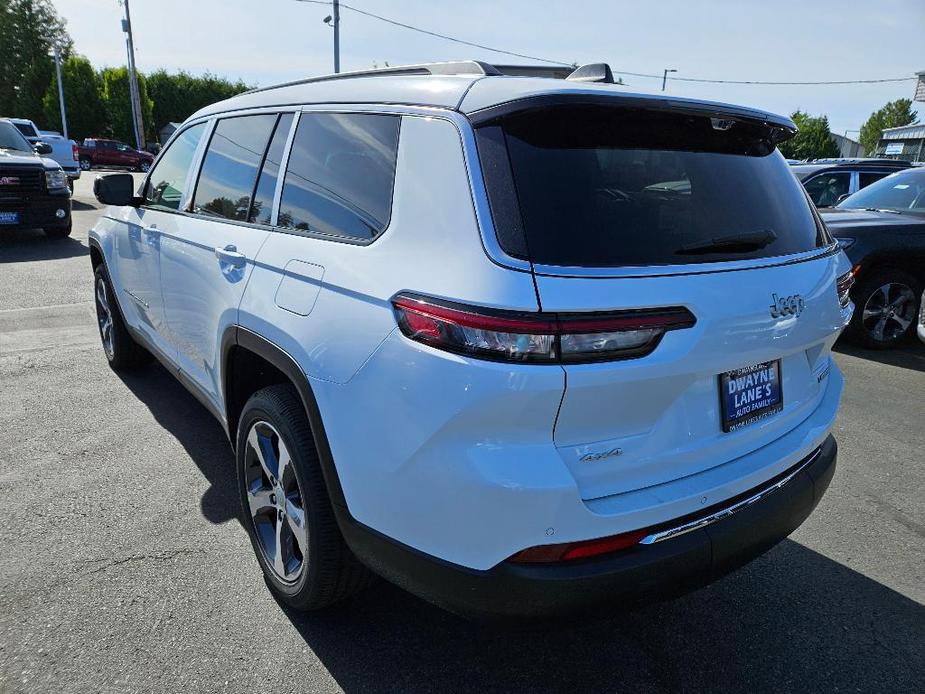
74 151
570 551
843 286
536 337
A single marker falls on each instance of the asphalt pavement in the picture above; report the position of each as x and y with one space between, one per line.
125 568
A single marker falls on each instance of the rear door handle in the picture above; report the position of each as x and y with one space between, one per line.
230 256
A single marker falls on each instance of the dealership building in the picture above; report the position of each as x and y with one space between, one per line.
905 142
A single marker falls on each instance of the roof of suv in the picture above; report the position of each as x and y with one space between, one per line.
468 87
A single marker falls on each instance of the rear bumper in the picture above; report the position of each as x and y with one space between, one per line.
662 569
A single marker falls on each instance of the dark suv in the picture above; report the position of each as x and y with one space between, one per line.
829 181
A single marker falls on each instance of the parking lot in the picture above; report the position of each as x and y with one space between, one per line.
125 567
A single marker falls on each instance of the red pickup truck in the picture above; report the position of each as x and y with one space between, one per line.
99 152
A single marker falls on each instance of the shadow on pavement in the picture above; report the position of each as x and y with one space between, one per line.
793 620
909 355
25 245
80 205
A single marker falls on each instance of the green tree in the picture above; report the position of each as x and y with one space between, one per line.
28 29
85 113
118 105
893 115
813 141
177 96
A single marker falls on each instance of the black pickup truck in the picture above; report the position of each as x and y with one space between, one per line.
33 189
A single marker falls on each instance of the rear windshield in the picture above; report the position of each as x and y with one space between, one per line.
600 186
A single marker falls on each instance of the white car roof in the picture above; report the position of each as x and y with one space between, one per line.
466 86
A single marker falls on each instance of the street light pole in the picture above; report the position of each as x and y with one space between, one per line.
134 94
665 77
60 90
336 24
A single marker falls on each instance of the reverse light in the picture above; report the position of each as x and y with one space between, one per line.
536 337
843 286
570 551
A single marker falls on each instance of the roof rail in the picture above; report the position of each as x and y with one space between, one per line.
456 67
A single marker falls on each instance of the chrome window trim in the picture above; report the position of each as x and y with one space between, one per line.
283 166
689 269
685 528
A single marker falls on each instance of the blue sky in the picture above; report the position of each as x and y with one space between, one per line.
267 41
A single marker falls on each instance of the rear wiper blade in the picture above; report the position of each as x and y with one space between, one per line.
736 243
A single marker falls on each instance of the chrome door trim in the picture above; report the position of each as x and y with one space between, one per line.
729 510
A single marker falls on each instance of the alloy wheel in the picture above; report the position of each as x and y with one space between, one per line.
104 318
275 500
889 311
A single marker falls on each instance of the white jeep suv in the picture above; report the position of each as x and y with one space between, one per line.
519 345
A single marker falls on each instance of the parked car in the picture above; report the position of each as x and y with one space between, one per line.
63 151
111 153
828 181
921 326
487 345
882 230
33 188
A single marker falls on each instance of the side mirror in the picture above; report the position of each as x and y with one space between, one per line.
842 197
42 148
115 189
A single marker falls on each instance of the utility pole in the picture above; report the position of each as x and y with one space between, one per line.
60 90
336 36
665 77
134 94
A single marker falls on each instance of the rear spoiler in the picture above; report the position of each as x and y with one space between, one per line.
779 128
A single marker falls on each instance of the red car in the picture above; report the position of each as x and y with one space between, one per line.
99 152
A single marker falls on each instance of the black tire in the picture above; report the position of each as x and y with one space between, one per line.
884 301
123 353
143 166
329 572
59 232
85 163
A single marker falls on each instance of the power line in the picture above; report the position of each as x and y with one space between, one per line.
440 36
622 72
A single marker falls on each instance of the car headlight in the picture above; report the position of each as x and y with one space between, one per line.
55 180
845 243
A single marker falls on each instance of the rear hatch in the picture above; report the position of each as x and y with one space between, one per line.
637 208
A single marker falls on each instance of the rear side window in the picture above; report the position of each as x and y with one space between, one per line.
340 174
865 178
262 207
229 169
168 177
826 189
599 186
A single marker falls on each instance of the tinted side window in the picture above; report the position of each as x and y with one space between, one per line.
825 189
229 168
868 177
168 177
340 174
262 207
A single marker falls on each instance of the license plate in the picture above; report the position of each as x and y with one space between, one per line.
750 394
9 217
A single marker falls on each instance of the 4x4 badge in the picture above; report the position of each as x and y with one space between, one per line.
787 306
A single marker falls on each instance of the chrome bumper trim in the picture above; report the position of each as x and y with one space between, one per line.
730 510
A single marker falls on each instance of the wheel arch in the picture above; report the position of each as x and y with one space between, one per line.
251 362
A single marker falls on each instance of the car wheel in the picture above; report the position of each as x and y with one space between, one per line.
122 352
59 232
85 164
287 511
143 166
885 308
